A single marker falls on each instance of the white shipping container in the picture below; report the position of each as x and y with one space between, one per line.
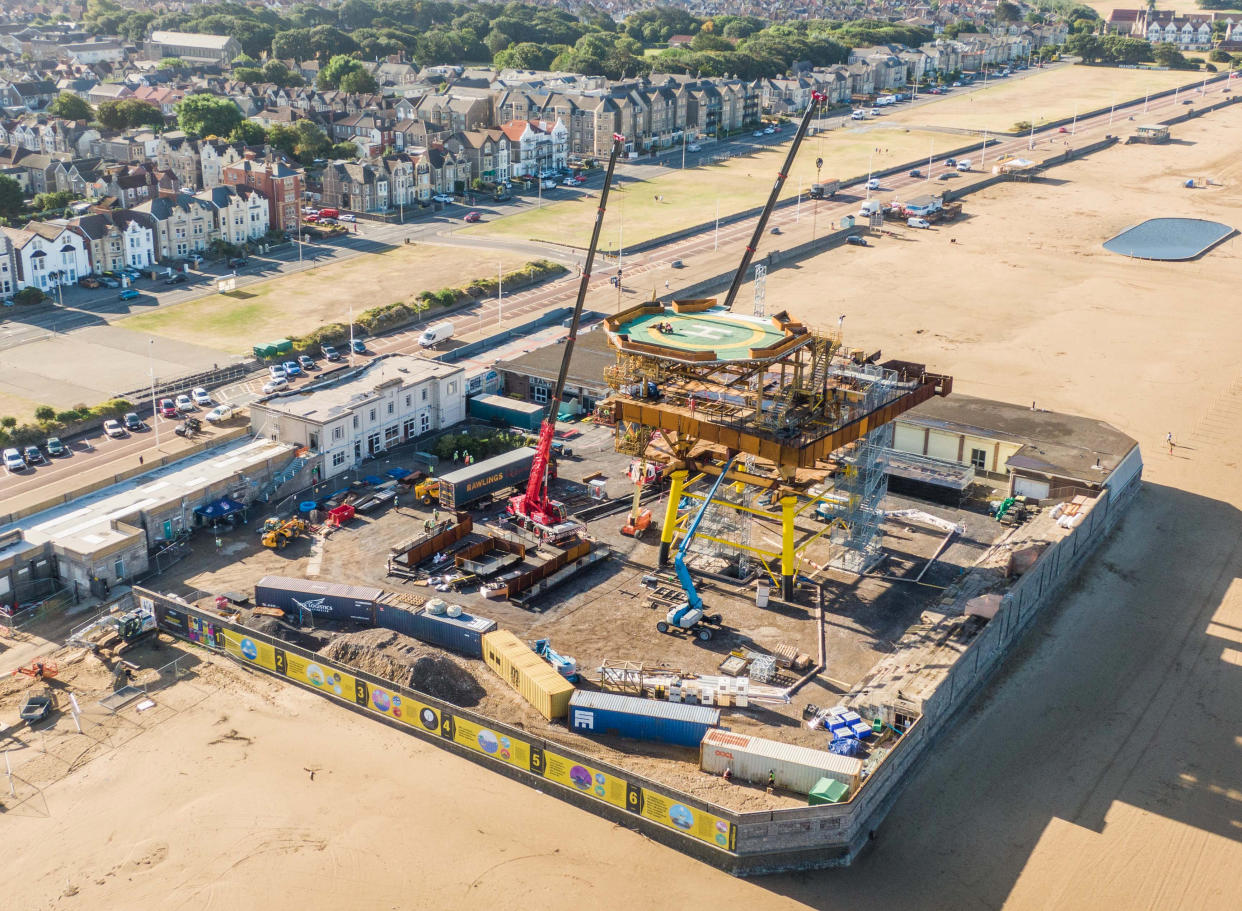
797 768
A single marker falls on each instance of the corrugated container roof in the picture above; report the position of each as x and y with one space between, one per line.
496 462
788 752
652 708
500 401
309 587
465 621
520 656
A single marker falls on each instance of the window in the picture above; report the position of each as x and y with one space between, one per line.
407 400
408 429
979 459
391 407
424 393
452 388
338 459
372 414
338 433
355 422
424 422
391 434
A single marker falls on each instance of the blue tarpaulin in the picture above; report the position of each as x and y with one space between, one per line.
225 506
398 473
373 479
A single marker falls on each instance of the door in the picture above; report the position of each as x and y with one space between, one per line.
1029 487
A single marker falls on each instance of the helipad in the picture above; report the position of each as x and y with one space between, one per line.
1169 238
694 332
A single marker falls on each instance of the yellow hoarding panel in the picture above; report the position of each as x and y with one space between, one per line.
252 651
498 746
585 780
323 677
696 823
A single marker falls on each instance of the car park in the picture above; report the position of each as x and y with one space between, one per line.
33 456
220 413
306 362
55 448
292 369
359 346
177 278
13 460
114 429
128 294
167 408
200 396
184 403
133 422
275 385
473 217
330 353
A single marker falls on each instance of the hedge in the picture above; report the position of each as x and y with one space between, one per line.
68 422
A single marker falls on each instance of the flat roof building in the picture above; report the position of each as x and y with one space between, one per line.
192 47
386 402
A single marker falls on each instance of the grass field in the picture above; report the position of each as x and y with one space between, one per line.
1043 96
297 303
689 198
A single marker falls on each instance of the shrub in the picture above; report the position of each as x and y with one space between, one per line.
45 413
8 422
28 296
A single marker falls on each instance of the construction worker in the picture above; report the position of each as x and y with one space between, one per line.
435 516
771 779
426 526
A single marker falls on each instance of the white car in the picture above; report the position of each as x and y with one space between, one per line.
310 211
220 413
915 222
114 429
873 183
858 115
13 460
184 404
694 147
276 372
876 112
442 197
200 396
757 134
345 216
275 385
769 130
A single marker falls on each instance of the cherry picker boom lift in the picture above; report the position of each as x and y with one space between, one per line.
534 509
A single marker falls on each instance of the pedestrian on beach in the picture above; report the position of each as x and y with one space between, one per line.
1169 439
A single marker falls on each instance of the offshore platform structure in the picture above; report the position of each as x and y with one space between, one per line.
776 404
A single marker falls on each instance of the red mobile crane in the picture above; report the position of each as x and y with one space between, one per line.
534 509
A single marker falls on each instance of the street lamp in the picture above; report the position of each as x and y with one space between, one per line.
155 417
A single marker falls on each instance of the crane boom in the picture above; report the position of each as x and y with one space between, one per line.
749 253
534 506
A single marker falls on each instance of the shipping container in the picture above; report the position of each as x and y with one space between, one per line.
322 600
464 486
462 634
797 768
537 681
640 719
514 413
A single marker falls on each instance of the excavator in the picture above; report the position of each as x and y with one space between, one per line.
279 532
534 509
39 669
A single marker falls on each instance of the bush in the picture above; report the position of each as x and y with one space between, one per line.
8 422
29 296
45 413
1020 126
1219 56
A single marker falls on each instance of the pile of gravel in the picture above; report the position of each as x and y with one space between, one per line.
407 662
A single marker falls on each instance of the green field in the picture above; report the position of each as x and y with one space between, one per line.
690 197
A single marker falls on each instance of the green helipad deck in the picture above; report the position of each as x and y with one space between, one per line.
693 332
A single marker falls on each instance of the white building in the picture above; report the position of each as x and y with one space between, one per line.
138 239
389 401
8 270
241 212
537 147
47 255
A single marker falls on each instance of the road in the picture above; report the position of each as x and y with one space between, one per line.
481 319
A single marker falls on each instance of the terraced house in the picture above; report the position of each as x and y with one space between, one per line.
185 224
47 255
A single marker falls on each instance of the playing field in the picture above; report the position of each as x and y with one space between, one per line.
638 211
1041 97
294 304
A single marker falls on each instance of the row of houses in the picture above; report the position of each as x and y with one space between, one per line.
1189 31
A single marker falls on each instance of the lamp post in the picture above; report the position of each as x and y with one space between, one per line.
155 417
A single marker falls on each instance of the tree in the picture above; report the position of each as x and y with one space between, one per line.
31 295
171 63
128 112
45 413
294 44
71 107
1008 12
208 115
46 202
708 41
277 73
1166 54
11 201
355 14
336 69
248 74
1219 56
346 150
359 82
249 132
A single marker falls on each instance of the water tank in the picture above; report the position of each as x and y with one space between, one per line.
436 606
454 610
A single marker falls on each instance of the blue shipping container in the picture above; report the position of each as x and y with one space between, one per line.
640 719
463 634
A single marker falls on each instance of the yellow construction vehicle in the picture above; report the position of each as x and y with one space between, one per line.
277 533
428 491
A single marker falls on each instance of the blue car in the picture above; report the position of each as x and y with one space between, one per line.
128 294
292 368
359 346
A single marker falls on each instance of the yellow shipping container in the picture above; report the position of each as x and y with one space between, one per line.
526 672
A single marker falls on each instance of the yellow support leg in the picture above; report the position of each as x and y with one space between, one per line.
670 514
788 503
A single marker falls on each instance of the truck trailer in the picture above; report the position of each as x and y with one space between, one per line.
461 488
825 190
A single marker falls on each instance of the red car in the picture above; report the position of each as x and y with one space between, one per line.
168 409
1062 130
473 216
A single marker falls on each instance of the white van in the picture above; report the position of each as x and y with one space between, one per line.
916 222
868 208
433 335
963 164
858 115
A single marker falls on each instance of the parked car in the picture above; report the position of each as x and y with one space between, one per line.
33 456
330 352
13 460
88 281
345 216
306 362
769 130
237 261
114 429
109 282
275 385
131 273
55 448
856 240
443 197
276 371
292 369
200 396
473 217
133 422
677 264
876 112
128 294
915 222
220 413
873 183
167 408
177 278
694 147
184 403
307 210
359 346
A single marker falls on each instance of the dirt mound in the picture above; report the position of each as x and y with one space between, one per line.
407 662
